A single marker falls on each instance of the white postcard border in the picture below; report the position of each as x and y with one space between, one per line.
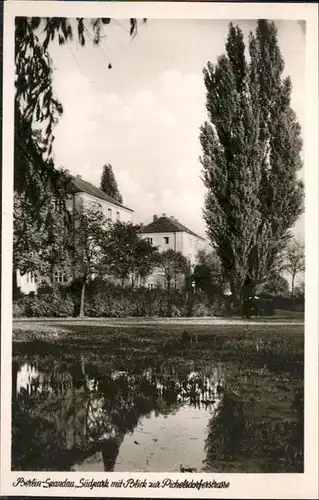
241 485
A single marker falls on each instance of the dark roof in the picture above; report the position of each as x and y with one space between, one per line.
166 224
78 185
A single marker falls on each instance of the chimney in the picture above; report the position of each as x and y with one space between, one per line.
163 215
155 218
141 225
79 176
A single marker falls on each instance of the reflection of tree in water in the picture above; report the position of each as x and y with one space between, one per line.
235 439
73 410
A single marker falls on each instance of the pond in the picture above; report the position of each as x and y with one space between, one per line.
154 399
84 415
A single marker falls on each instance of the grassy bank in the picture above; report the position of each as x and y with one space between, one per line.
259 427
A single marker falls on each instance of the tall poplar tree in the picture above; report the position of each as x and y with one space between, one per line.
108 183
251 156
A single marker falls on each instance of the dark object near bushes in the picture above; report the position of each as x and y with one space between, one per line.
258 307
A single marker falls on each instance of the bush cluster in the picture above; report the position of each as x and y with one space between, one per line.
50 303
105 299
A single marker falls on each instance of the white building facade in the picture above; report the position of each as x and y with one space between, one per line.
168 233
85 194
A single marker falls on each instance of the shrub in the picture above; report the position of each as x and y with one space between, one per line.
44 290
202 309
176 312
17 310
45 305
106 299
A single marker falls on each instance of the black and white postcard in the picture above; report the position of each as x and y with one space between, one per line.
160 250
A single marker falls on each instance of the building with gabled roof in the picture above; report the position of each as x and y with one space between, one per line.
81 194
79 186
165 224
168 233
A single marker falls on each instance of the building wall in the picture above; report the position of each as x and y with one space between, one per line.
110 210
191 246
26 282
183 242
175 241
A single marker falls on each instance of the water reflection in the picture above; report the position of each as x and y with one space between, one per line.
89 416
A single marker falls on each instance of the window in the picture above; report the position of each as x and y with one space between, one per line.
118 216
60 277
59 205
34 278
166 240
109 213
149 240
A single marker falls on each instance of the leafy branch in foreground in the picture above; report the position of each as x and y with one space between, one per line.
37 108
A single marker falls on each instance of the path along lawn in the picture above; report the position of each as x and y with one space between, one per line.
259 427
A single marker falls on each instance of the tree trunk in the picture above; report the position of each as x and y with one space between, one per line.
82 298
110 449
248 299
293 288
15 289
237 301
169 308
15 369
83 366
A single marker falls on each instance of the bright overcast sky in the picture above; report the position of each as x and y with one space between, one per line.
143 115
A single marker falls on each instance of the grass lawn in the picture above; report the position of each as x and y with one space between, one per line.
259 426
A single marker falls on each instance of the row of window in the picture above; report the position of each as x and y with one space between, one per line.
58 277
166 240
109 214
59 206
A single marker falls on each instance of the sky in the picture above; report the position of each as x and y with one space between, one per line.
143 115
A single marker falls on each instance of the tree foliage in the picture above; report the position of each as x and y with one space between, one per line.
41 245
207 273
275 285
251 157
294 261
172 264
90 232
109 185
34 85
37 108
126 254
